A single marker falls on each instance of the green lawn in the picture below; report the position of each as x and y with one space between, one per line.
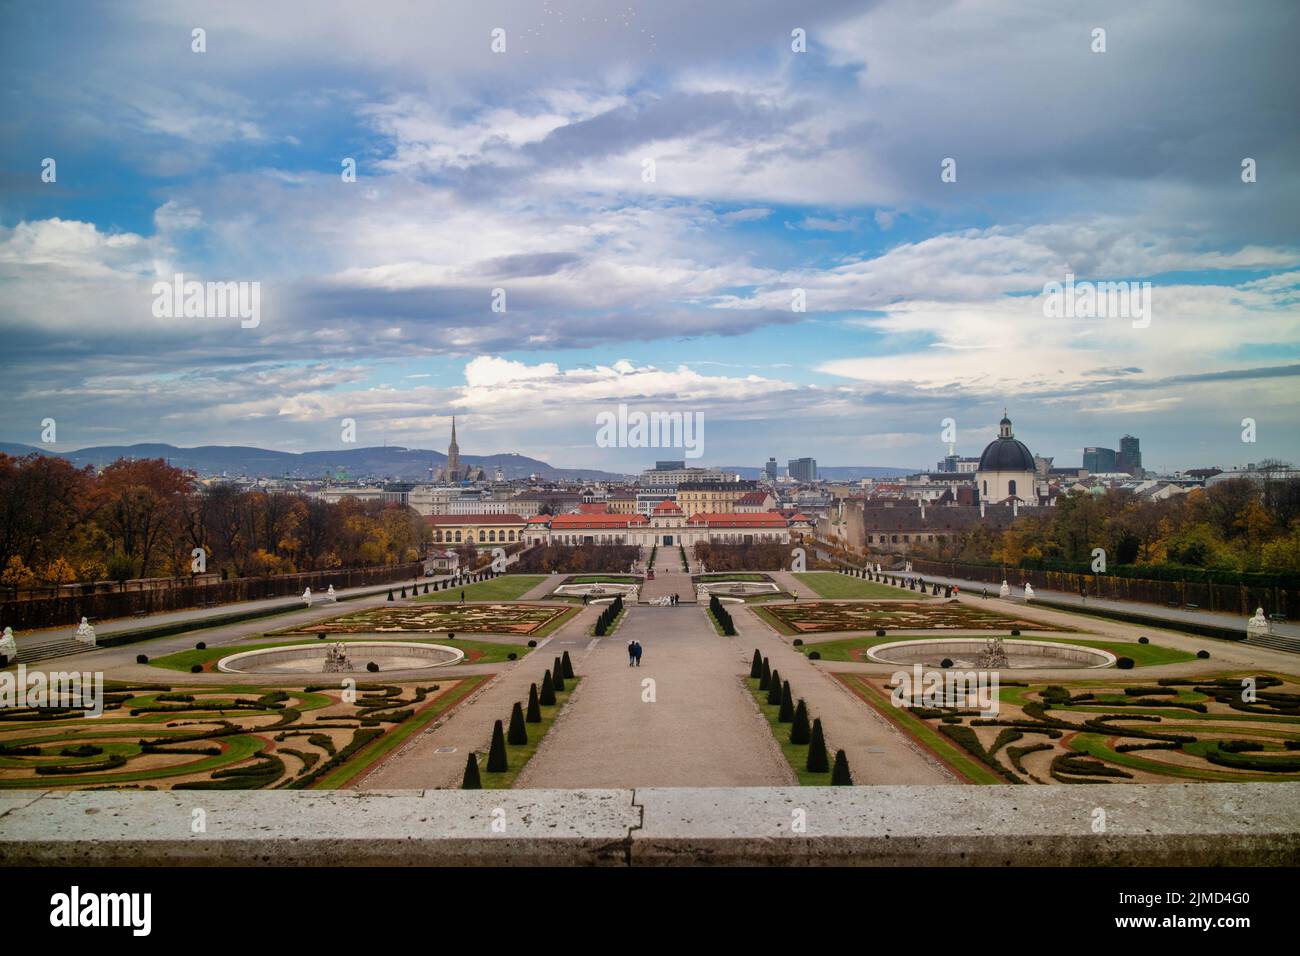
508 587
795 754
517 757
733 576
1143 655
604 579
493 652
831 584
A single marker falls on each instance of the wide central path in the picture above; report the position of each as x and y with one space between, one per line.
682 719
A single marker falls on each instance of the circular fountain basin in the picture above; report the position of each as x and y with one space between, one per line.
738 588
310 658
965 653
598 592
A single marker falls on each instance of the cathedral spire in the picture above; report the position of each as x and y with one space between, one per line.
453 456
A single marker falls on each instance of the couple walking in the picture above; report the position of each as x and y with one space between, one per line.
633 653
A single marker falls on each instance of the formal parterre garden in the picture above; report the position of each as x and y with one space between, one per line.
813 617
181 737
1224 728
532 620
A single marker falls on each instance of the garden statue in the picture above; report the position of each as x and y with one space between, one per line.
1029 592
1004 592
993 657
1257 626
337 660
8 646
334 597
306 597
85 633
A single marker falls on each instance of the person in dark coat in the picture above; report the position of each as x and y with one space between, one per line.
636 652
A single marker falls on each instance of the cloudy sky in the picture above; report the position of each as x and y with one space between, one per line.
650 184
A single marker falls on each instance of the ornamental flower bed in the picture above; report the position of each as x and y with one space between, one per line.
442 618
821 616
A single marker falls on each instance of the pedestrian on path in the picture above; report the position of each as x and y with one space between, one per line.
462 597
631 653
636 652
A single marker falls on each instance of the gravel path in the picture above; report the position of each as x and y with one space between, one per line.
702 730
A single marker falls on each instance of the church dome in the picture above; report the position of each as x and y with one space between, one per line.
1005 453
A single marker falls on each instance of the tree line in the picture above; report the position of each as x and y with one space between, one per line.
60 524
1233 526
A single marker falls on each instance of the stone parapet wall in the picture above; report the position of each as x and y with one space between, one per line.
1144 825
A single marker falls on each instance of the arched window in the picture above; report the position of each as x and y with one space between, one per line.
986 488
1011 487
482 536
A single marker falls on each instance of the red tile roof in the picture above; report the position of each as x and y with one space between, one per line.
595 522
729 519
668 507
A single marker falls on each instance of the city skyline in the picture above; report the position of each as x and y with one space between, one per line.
772 172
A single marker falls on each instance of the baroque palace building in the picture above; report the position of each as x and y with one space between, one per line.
668 525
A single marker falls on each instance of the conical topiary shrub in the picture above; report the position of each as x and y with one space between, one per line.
548 690
765 676
818 762
403 590
390 594
497 762
471 779
566 666
774 688
786 713
799 732
517 734
557 675
534 709
840 776
756 668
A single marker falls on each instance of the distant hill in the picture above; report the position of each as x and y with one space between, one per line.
835 472
409 464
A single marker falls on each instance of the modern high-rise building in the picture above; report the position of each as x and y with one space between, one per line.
1130 456
802 469
1099 460
770 469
